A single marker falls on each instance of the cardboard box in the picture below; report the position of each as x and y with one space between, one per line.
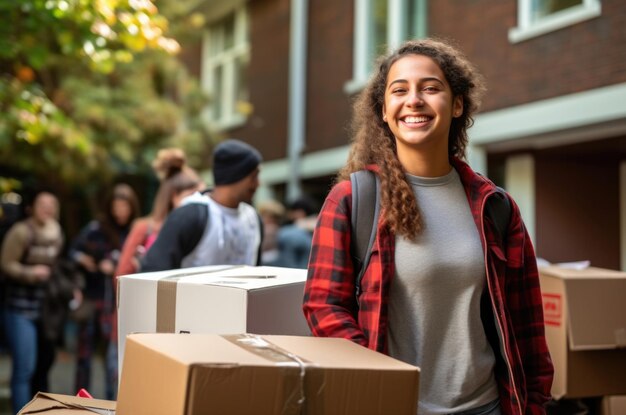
204 374
213 299
54 404
614 405
585 317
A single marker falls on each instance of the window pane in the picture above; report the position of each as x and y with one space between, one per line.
411 20
542 8
241 80
241 96
228 59
216 40
379 13
229 31
216 97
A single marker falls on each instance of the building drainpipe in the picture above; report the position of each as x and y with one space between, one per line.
297 94
622 209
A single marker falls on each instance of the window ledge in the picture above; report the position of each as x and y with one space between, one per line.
235 121
354 86
555 22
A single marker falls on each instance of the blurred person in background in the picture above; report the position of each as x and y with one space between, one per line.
219 227
272 213
96 251
295 237
29 252
177 181
11 211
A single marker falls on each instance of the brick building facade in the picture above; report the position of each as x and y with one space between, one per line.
552 129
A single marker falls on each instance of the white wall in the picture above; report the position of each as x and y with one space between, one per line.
519 179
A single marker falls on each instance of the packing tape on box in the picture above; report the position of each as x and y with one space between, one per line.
166 305
261 347
166 298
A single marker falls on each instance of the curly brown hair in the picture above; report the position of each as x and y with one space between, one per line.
374 143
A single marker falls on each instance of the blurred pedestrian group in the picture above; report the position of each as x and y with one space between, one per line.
49 283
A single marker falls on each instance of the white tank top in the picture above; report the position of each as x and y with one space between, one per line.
232 235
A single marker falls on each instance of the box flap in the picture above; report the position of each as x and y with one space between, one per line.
591 272
337 353
176 273
596 311
64 404
190 349
248 278
614 405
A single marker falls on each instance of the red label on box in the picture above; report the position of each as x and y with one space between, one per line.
552 309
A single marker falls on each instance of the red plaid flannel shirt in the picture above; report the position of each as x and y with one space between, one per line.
525 371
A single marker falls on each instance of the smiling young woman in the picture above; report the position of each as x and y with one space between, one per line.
418 108
442 290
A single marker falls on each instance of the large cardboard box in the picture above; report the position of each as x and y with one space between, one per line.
203 374
54 404
585 317
614 405
212 299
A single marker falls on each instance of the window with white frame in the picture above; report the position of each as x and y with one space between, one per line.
379 26
225 58
537 17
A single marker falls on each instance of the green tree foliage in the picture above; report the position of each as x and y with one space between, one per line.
90 89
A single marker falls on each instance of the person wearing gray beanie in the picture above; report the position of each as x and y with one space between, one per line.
217 228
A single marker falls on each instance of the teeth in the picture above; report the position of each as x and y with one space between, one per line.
415 119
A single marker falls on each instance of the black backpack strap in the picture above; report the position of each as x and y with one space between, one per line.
261 237
498 208
363 220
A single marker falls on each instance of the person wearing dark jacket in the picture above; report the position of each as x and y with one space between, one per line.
442 291
219 227
95 252
294 238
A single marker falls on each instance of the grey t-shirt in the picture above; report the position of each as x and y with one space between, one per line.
434 304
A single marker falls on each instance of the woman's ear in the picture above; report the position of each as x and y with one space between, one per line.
383 114
457 106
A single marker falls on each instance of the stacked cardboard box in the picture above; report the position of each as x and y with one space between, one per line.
213 299
187 374
585 317
54 404
614 405
187 355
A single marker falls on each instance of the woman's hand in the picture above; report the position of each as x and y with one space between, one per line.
106 266
87 262
77 299
41 272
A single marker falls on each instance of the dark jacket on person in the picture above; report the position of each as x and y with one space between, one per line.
182 231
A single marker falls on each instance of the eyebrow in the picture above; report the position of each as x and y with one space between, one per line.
432 78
